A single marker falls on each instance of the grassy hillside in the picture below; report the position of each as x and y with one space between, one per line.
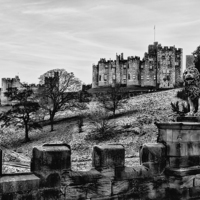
135 126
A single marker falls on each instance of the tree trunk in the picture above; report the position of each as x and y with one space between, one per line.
51 126
26 132
52 122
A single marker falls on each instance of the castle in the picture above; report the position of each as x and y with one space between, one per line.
6 84
161 67
9 83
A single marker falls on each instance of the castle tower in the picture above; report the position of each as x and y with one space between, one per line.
6 84
94 76
133 71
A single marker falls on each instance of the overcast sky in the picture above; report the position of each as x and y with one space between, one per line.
40 35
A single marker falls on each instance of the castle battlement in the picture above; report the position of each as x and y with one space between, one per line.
169 169
8 83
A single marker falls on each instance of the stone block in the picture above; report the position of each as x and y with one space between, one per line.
101 188
188 119
18 183
106 156
80 177
152 152
75 192
172 131
194 192
177 193
183 149
120 186
197 180
147 191
181 182
126 173
49 178
51 157
180 172
155 168
182 135
184 161
165 135
153 156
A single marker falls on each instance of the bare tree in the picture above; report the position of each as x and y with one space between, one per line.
23 111
59 92
100 125
113 99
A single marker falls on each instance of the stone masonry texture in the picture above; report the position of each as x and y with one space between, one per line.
161 66
169 170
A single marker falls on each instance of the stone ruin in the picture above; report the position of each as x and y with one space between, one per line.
170 169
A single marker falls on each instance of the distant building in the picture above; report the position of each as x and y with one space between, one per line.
161 67
8 83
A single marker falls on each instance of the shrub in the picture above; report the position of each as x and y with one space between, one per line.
99 124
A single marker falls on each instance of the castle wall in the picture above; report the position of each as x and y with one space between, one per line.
169 170
8 83
123 67
95 75
102 73
118 70
112 73
148 72
161 64
133 71
178 67
166 59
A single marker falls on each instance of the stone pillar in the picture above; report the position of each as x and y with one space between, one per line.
182 140
108 156
153 156
49 161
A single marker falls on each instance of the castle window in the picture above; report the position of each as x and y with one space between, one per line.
129 76
142 66
133 76
99 77
105 77
113 77
150 67
147 77
124 76
154 77
124 72
142 77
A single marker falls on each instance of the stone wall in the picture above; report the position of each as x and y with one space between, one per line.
94 76
133 71
170 169
8 83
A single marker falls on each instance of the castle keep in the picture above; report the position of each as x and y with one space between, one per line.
6 84
161 67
